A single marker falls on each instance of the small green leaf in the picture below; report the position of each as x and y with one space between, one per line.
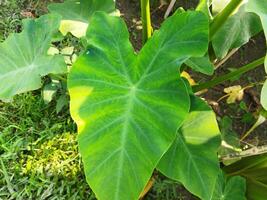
192 158
50 90
235 32
76 14
232 189
24 59
127 106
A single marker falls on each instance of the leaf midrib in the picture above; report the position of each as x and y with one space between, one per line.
128 107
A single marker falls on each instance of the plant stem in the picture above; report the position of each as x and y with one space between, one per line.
226 77
229 55
169 9
260 121
146 20
221 18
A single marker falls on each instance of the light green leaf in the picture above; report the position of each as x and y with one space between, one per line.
264 95
52 51
128 107
76 14
232 189
192 158
219 5
260 8
235 32
24 59
204 6
76 28
202 64
50 90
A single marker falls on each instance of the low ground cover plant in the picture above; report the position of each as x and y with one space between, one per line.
140 112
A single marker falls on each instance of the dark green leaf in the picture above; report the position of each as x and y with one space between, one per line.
253 168
236 31
232 189
61 102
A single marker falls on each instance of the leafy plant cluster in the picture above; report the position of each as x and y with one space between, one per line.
138 112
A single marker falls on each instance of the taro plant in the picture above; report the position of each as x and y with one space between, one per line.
138 112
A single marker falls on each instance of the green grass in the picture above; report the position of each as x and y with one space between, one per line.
39 155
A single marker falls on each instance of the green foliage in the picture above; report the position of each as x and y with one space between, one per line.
76 14
9 18
24 59
81 10
192 158
236 31
229 189
118 100
260 8
134 112
253 168
39 157
204 6
201 64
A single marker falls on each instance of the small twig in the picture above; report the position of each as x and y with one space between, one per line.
260 121
229 55
246 153
169 9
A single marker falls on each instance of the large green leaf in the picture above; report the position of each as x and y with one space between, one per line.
76 14
128 107
235 32
192 158
24 59
232 189
260 8
254 169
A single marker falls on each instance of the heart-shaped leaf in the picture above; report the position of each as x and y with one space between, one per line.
76 14
260 8
233 188
192 158
24 58
128 107
235 32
